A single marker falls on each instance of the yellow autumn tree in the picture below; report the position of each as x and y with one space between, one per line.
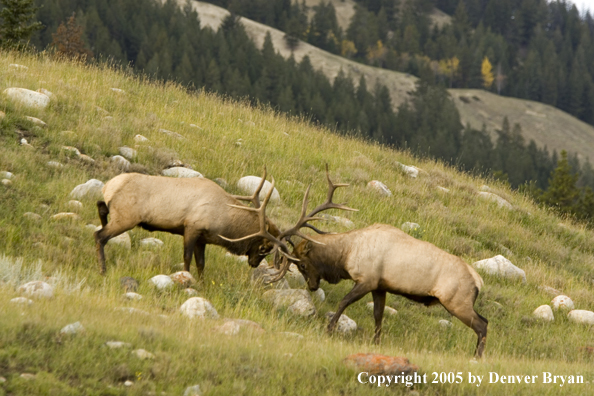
449 68
487 73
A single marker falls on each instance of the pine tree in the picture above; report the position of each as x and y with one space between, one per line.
562 192
18 23
68 40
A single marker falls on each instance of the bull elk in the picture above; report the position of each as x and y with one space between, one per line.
196 208
382 259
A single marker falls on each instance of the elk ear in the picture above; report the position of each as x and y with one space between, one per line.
306 248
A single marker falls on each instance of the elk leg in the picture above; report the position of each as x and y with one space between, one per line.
199 249
472 319
354 295
379 303
102 236
103 212
189 246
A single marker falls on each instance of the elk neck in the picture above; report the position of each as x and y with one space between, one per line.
330 258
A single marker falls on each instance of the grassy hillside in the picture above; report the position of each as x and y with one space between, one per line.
547 125
553 252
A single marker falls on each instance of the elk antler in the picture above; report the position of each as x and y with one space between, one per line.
254 199
303 221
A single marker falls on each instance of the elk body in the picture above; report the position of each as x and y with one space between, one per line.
196 208
380 259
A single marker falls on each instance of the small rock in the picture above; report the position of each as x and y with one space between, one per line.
292 335
544 312
37 289
120 162
500 266
380 364
140 139
194 126
128 152
132 296
46 92
193 391
91 189
264 273
129 284
411 171
118 344
320 295
21 301
446 324
408 226
443 189
294 276
6 175
27 376
32 216
55 165
72 150
387 310
172 134
562 302
36 121
296 301
502 203
6 182
2 380
128 383
581 316
121 91
143 354
345 325
25 143
75 205
14 66
65 216
183 278
380 187
191 292
549 290
151 243
122 240
179 171
234 326
86 158
162 282
27 97
248 185
198 307
73 328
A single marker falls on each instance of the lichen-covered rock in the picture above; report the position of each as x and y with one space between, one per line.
179 171
161 282
380 188
544 312
91 190
581 316
375 364
296 301
501 202
249 184
37 289
345 325
198 307
183 279
500 266
27 97
562 302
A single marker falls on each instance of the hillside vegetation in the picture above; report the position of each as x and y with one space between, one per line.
235 140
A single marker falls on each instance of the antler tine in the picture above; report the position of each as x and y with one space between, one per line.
281 273
255 198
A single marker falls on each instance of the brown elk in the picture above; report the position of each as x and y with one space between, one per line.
196 208
383 259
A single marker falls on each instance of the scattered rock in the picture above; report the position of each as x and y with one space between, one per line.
128 383
221 182
179 171
2 380
500 266
86 158
292 335
72 150
502 203
264 273
129 284
379 187
544 312
73 328
6 182
193 390
21 301
191 292
337 219
6 175
26 144
143 354
562 302
55 165
128 152
27 97
172 134
320 295
91 189
32 216
14 66
249 184
345 325
122 240
294 276
549 290
198 307
296 301
183 278
28 376
132 296
37 289
446 324
162 282
121 91
443 189
118 344
387 310
120 162
75 205
140 139
65 216
151 243
408 226
581 316
411 171
234 326
375 364
46 92
36 121
194 126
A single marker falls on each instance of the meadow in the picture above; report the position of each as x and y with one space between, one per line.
229 140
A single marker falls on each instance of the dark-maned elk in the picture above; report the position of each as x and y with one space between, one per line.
383 259
196 208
